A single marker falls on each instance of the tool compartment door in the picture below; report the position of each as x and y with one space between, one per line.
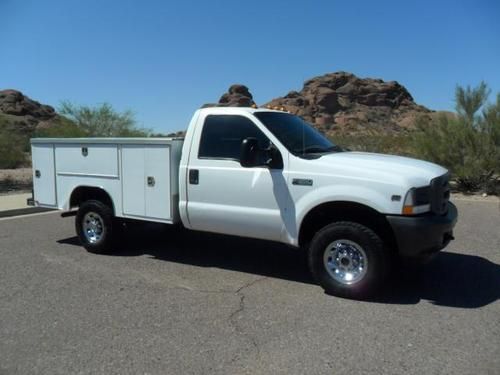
44 179
157 167
146 181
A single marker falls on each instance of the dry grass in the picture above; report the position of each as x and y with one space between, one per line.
19 179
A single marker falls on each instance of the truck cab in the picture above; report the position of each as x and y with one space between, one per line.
269 175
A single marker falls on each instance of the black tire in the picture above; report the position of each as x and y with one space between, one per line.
104 245
377 260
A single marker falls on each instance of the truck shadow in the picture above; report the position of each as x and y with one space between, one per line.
451 279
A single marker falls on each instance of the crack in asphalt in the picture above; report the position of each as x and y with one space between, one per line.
240 309
203 291
242 296
221 291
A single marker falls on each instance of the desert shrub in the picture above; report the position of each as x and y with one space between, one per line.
103 121
60 128
11 149
397 144
467 144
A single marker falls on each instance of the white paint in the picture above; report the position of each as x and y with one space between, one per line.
138 164
119 167
99 159
44 181
251 202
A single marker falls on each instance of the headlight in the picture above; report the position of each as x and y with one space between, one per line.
417 201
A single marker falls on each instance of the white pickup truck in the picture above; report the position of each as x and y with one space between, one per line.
255 173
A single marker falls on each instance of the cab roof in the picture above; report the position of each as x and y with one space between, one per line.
236 110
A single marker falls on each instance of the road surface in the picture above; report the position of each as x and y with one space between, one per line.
175 302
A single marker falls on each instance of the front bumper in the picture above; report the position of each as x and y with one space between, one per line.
423 235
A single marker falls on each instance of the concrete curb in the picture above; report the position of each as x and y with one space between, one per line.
24 211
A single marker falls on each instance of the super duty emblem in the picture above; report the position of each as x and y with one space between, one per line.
302 181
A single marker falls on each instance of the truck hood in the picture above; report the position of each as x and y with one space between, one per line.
381 167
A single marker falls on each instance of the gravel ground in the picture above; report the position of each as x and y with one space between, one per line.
15 180
182 302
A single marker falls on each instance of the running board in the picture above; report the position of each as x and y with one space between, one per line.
69 213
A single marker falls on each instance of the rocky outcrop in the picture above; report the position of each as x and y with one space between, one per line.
237 96
24 113
13 102
335 103
344 103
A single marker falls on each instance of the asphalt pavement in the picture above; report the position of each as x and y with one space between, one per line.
178 302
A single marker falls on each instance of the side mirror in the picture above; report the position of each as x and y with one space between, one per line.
249 154
275 160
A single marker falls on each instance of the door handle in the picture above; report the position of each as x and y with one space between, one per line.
151 181
194 176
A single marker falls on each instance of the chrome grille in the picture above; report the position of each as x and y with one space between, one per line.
440 194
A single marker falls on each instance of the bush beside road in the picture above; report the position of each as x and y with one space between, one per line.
15 180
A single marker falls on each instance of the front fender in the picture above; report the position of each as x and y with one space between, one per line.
346 193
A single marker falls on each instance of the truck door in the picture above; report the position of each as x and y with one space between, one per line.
44 179
146 181
223 196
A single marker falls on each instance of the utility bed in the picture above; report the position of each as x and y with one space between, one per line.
141 174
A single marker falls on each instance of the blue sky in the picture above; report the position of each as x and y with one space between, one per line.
163 59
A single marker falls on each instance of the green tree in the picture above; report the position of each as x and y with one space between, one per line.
11 149
490 124
470 99
102 121
468 144
61 127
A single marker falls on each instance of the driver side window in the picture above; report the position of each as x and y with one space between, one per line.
222 135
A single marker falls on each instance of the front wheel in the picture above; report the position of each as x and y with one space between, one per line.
94 226
348 260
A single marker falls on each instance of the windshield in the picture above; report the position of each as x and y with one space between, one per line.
300 138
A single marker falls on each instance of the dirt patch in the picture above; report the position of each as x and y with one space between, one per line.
15 180
477 197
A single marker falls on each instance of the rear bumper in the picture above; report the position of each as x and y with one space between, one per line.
423 235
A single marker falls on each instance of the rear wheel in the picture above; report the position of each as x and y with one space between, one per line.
348 260
94 226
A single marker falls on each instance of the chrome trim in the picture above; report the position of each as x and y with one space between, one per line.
345 261
98 175
93 227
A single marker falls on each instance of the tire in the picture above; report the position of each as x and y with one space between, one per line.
348 260
94 226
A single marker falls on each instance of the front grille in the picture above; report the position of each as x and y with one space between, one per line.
440 194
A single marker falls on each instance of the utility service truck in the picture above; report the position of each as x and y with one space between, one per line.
255 173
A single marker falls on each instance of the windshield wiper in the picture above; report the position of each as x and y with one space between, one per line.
335 148
320 150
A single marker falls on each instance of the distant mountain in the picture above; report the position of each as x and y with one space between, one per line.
19 112
335 103
344 103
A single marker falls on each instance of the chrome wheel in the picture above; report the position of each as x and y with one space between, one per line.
345 261
93 227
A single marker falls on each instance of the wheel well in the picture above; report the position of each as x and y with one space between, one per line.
330 212
85 193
